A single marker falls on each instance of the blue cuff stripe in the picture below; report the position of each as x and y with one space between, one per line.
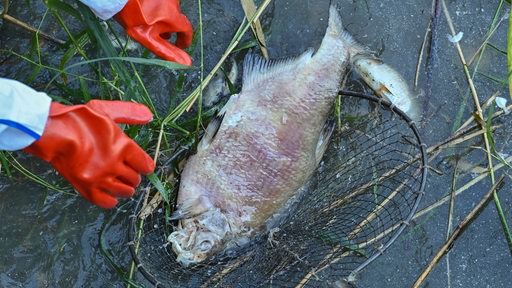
20 127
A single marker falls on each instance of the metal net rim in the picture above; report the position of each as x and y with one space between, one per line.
133 227
424 170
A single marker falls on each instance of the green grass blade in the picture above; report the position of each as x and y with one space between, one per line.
62 6
509 56
159 186
4 164
106 252
135 60
18 166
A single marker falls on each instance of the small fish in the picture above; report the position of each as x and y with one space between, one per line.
219 87
260 149
386 82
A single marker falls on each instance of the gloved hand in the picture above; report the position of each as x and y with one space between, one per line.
151 22
87 147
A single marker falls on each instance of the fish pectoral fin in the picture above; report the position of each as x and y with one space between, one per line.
191 207
179 214
323 141
211 130
384 89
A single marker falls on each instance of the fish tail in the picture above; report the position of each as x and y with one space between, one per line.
336 30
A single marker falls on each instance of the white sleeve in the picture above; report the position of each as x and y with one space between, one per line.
23 114
105 9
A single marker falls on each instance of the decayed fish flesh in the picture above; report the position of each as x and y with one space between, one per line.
261 148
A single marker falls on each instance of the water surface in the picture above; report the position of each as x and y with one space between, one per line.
49 239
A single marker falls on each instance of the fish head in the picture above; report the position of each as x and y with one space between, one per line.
199 238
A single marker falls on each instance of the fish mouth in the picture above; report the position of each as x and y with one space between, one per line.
193 247
199 238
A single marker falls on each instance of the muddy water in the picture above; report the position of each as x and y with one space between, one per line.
51 239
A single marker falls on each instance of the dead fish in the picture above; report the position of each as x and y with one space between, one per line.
219 87
386 82
261 148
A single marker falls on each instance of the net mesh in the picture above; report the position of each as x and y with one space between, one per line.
359 200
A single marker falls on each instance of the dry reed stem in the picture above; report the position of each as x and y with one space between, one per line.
420 55
29 28
224 56
484 105
486 40
249 10
479 118
458 231
471 87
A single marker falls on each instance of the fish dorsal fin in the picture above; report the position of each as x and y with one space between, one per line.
257 69
211 130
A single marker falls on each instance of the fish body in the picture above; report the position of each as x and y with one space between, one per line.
386 82
261 148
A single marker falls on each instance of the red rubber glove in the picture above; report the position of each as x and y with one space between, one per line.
87 147
151 22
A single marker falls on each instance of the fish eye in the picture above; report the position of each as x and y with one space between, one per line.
205 245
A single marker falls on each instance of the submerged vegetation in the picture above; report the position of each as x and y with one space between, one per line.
96 64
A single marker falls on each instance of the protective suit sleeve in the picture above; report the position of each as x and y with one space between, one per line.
105 9
23 114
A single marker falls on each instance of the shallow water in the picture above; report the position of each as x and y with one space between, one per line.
50 239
